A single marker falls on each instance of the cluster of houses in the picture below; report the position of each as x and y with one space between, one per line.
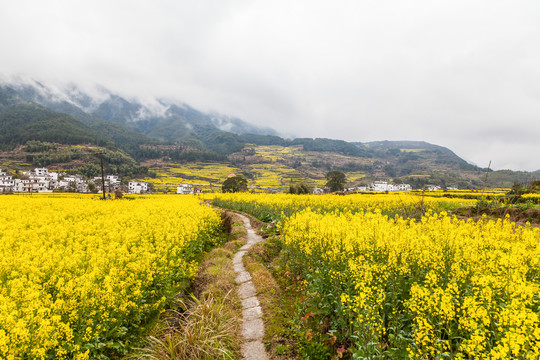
375 186
386 186
42 180
383 186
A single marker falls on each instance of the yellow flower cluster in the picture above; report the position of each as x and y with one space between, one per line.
273 206
533 196
81 277
439 287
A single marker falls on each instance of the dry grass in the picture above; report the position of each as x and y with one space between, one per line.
207 326
201 329
276 304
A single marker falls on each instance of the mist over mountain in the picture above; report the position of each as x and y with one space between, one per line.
158 119
169 130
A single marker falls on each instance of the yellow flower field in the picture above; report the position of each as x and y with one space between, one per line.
275 206
465 289
383 285
84 278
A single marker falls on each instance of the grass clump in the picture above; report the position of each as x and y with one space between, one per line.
200 329
278 296
207 325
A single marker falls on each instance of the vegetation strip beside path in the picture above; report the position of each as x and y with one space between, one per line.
253 326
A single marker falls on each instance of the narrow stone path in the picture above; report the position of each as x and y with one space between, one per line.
253 326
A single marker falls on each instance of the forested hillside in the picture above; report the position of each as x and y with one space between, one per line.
66 128
21 123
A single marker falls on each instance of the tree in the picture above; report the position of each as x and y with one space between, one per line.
92 187
299 189
335 180
234 184
72 187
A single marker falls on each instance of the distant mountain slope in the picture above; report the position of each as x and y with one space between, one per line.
139 121
158 132
405 151
309 144
239 127
121 135
24 122
172 123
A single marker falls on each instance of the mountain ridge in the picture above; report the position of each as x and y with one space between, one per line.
158 129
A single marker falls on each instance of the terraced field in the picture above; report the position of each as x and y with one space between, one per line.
264 166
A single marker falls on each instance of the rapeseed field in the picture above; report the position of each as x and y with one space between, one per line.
377 283
82 278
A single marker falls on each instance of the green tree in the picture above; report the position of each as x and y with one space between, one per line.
335 180
299 189
234 184
72 187
92 187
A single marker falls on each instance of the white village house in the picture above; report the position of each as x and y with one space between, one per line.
185 189
113 179
137 187
6 183
386 186
42 180
382 186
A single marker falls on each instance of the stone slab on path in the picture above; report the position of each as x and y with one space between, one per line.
250 302
253 325
242 277
246 290
252 313
254 350
237 259
253 329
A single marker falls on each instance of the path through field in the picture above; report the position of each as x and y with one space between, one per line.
253 326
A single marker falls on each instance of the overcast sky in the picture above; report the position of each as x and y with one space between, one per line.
462 74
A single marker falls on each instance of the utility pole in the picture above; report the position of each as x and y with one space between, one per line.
483 189
102 174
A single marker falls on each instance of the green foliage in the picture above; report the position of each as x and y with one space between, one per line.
92 187
299 189
90 170
329 145
336 180
534 186
234 184
318 144
122 136
264 139
514 196
224 143
22 123
389 170
193 156
38 146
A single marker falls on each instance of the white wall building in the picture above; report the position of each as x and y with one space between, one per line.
113 179
6 183
404 187
185 189
41 171
379 186
137 187
386 186
31 186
